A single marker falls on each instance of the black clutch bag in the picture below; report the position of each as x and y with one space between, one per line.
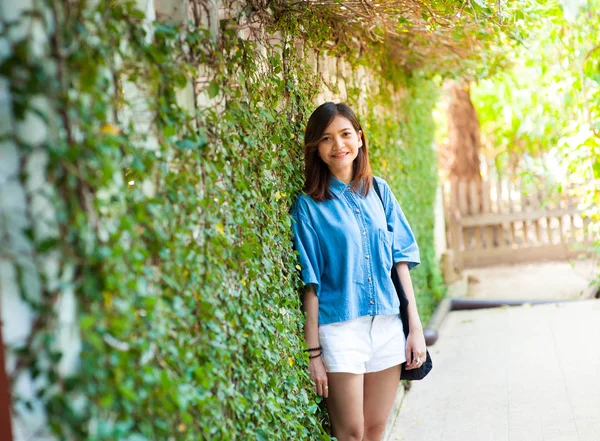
420 372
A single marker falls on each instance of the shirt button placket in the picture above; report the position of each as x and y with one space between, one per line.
370 287
365 241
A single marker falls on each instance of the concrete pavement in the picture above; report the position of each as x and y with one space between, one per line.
534 281
528 373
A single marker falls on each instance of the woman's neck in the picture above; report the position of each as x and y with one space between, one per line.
343 175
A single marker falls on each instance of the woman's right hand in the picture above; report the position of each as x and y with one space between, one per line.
319 376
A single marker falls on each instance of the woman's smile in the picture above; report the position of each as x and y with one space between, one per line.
340 155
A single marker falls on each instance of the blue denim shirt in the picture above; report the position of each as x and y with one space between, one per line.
346 251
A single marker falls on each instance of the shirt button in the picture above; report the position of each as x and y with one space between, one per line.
367 256
364 233
370 279
372 302
357 210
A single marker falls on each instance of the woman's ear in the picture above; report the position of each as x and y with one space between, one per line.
360 139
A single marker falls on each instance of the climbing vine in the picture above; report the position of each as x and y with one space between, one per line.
173 155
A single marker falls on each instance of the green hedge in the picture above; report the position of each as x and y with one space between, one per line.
184 272
403 153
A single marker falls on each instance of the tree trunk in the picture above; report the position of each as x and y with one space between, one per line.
463 134
463 147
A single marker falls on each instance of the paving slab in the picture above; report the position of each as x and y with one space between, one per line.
528 373
534 281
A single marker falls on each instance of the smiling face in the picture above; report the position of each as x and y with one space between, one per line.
338 147
335 145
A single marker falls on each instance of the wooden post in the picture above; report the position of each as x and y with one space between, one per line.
549 229
486 190
449 206
537 200
456 231
523 208
500 209
475 208
573 233
511 209
580 229
561 231
463 209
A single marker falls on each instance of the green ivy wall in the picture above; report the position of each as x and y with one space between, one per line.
171 226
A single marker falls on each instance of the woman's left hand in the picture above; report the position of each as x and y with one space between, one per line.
416 350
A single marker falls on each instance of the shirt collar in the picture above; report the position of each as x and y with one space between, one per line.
338 187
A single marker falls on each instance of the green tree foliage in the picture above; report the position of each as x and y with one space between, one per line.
526 107
541 115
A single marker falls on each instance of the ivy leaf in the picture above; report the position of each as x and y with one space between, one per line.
171 282
202 141
185 144
261 435
166 29
168 131
47 245
213 89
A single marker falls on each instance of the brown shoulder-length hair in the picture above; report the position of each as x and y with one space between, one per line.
316 172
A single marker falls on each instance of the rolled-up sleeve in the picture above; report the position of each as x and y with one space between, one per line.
404 247
306 242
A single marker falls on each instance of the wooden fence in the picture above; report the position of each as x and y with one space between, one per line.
491 222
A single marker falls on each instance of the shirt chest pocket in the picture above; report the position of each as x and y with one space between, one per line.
386 239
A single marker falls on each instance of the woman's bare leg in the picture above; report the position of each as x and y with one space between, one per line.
379 393
345 405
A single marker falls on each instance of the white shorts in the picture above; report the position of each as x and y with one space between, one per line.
364 344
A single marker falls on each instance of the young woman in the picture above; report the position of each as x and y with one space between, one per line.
347 241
